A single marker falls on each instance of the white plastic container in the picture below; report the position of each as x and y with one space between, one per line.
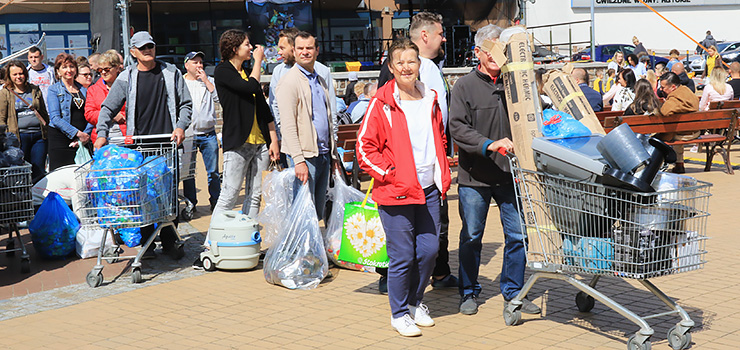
234 242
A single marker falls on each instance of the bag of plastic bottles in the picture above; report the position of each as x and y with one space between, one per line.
54 228
561 124
297 258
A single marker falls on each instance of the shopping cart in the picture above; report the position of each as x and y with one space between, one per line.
139 199
576 227
188 157
16 205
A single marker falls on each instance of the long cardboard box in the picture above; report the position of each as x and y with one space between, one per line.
568 97
522 98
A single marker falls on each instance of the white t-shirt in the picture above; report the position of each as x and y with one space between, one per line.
42 78
431 76
419 121
197 91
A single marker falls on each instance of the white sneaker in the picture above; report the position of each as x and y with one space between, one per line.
421 315
405 326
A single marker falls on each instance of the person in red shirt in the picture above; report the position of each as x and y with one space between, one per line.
401 144
109 65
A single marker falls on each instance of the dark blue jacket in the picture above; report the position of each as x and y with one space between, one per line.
593 97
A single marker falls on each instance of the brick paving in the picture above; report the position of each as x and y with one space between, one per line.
177 307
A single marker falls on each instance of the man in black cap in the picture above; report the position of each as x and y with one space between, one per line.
203 125
157 102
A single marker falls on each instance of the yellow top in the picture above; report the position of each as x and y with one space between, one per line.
255 135
710 63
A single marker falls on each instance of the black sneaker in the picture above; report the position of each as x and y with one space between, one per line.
469 304
198 264
448 282
149 254
528 307
383 285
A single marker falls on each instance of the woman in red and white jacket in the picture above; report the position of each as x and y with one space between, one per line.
401 144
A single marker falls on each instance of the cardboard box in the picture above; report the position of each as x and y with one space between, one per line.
567 96
522 98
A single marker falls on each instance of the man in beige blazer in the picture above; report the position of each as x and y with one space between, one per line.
306 123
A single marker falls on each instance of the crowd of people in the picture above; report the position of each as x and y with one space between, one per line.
409 120
634 87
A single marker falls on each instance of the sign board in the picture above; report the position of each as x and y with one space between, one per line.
652 3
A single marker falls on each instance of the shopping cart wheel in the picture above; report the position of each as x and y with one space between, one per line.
136 275
9 247
634 344
187 213
677 340
208 265
511 318
584 302
94 279
26 265
112 252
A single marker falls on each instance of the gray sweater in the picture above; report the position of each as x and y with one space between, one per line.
124 91
478 117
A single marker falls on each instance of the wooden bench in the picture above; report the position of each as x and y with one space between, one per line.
723 120
606 114
347 139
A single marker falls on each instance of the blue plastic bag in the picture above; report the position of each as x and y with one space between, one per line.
54 228
561 124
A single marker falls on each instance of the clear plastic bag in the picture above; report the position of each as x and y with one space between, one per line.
297 259
277 192
340 195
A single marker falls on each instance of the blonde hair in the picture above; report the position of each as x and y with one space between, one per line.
652 78
110 58
718 79
359 88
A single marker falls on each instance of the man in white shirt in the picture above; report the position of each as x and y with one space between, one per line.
39 74
202 127
427 33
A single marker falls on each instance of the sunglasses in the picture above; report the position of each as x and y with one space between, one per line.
104 70
146 47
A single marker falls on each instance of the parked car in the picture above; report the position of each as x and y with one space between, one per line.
698 62
731 55
606 51
543 55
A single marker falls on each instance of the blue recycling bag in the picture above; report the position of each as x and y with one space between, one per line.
561 124
54 228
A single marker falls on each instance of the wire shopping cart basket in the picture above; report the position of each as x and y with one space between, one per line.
129 198
577 227
16 205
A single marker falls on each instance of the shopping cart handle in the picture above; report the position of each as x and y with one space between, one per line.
502 151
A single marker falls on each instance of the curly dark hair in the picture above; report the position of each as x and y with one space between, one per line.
62 59
230 41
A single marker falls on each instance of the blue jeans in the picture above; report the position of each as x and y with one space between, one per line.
319 169
34 149
412 241
208 146
474 203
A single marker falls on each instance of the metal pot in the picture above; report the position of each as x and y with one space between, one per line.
661 217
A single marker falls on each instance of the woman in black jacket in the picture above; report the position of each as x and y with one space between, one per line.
249 137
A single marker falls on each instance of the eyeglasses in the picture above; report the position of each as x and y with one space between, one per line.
105 70
86 74
146 47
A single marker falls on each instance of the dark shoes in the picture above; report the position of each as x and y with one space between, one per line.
383 285
469 305
448 282
678 169
198 264
528 307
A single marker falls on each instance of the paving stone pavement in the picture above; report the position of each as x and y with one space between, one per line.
178 308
